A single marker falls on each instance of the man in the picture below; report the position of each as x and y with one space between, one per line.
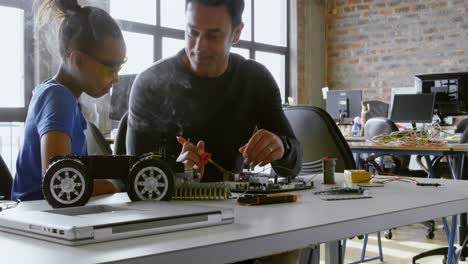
214 98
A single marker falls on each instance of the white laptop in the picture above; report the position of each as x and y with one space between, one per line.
96 223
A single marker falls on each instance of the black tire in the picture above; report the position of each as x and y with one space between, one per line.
150 176
388 234
66 184
430 235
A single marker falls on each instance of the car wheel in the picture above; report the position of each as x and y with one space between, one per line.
66 184
150 179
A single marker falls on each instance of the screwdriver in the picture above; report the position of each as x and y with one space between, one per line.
206 157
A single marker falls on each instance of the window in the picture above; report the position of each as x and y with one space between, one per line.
275 64
16 75
271 14
173 14
154 29
11 137
171 46
140 52
13 71
16 71
143 12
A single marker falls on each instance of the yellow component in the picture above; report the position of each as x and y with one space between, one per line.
357 176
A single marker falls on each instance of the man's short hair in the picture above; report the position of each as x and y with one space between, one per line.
235 8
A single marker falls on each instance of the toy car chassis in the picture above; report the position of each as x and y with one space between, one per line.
69 180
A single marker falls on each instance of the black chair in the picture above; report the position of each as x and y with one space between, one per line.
381 125
319 136
120 147
378 126
95 141
462 126
6 180
376 109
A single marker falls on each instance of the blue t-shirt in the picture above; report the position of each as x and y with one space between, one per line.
53 107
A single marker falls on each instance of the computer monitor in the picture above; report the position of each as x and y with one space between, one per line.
413 108
120 94
347 101
451 91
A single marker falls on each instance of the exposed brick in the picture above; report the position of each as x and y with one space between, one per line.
402 9
439 4
384 44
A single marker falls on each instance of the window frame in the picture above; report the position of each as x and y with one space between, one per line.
159 32
18 114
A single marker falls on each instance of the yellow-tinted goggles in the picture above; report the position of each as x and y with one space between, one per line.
109 68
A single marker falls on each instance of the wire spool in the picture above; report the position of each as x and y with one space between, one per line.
328 165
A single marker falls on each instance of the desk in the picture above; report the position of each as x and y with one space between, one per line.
453 152
362 139
257 231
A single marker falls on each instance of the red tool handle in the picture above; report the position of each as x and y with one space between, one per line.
204 156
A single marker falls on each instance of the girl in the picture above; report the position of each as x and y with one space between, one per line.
92 51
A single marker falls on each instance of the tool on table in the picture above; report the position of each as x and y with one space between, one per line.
206 157
345 198
428 184
259 199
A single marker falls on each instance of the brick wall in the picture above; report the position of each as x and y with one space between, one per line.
376 45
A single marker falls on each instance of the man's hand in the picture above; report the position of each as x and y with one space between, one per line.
262 148
190 157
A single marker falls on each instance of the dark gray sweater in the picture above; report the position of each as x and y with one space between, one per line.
168 100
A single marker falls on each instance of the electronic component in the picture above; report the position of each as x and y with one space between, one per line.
357 176
259 181
270 188
202 191
346 190
259 199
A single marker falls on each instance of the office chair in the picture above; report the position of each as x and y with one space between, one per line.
119 144
380 125
376 109
6 180
320 137
461 126
95 141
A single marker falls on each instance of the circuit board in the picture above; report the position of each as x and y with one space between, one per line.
264 186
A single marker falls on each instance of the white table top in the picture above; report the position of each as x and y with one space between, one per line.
257 230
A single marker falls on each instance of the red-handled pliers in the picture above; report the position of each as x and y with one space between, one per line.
204 156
